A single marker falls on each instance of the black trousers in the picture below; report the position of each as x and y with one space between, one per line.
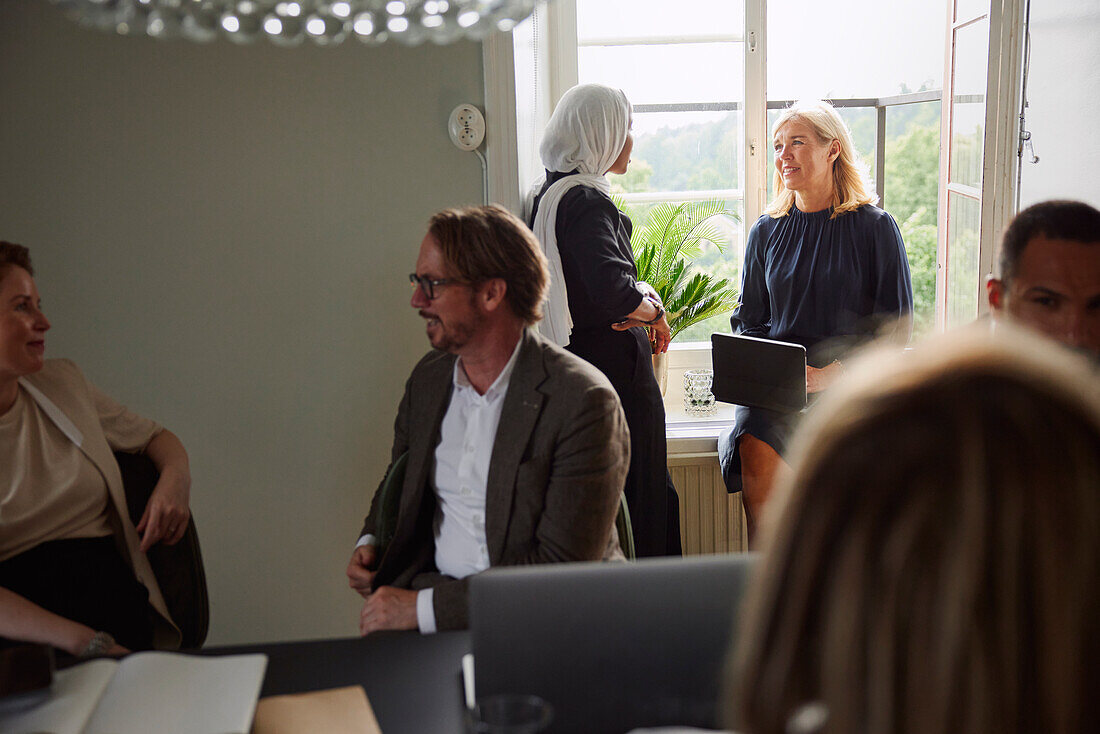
85 580
624 357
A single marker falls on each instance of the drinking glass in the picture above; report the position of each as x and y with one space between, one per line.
508 713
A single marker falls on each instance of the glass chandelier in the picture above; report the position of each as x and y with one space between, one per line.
290 22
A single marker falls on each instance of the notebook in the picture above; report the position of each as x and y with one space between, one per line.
163 692
611 646
759 373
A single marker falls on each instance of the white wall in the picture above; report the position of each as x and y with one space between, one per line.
222 236
1064 94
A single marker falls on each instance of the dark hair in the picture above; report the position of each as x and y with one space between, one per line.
13 254
486 242
1058 219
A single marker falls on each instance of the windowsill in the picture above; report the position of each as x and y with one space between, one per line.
691 435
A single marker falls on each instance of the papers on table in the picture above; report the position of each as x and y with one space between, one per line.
149 691
336 711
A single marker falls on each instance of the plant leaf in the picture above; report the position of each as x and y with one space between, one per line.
664 246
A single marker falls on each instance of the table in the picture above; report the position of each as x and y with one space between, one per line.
413 681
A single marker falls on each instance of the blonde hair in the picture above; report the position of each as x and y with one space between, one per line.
934 567
851 186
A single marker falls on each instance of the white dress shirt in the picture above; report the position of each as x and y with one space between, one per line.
462 459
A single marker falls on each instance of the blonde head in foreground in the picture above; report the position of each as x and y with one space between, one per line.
935 557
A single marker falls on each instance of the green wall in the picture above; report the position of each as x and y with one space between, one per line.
222 236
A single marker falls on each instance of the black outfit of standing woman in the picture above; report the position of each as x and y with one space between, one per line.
594 242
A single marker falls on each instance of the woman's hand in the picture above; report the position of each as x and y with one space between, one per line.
659 333
83 638
819 378
649 309
167 513
25 621
647 290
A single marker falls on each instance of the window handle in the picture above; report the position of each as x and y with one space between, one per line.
1025 142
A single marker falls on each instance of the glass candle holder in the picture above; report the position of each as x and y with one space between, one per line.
509 713
698 399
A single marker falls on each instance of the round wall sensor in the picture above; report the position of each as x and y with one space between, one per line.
467 127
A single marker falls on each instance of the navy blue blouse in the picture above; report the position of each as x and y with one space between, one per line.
827 284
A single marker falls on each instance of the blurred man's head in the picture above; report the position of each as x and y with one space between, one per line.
1050 273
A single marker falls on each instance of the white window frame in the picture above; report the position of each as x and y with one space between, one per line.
1000 147
1003 127
757 145
501 134
559 20
556 51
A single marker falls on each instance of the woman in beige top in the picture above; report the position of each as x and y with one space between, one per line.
73 571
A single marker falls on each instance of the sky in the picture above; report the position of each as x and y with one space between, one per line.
839 48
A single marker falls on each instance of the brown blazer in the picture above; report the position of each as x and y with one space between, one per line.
558 465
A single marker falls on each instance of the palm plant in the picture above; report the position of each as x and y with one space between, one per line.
665 246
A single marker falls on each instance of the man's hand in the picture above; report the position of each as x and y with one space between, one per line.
361 569
166 515
388 608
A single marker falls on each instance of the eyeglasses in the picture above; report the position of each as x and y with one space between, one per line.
428 286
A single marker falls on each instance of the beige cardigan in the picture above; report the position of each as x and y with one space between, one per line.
62 393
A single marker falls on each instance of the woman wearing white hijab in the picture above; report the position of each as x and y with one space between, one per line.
596 307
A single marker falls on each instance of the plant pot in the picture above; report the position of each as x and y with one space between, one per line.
660 371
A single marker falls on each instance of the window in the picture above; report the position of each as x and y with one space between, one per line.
704 95
688 118
981 134
962 158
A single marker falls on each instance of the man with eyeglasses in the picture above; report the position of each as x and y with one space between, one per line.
517 450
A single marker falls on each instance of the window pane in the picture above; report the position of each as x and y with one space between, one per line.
968 104
697 72
684 151
967 9
912 188
603 18
863 124
963 228
853 48
726 264
689 151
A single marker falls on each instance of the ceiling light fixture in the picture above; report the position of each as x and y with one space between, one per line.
325 22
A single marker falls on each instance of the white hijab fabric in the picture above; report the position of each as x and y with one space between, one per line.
586 133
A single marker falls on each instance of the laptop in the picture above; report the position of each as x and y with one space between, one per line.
611 646
759 373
